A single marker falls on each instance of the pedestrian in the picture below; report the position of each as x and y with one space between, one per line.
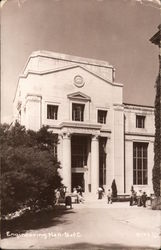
132 198
79 190
109 197
63 192
139 201
100 192
135 197
57 196
68 200
103 191
144 199
76 195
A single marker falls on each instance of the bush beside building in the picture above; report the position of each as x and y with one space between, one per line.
29 168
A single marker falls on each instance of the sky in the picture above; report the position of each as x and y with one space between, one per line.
117 31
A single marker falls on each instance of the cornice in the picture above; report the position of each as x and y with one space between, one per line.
80 125
70 58
138 134
79 95
129 107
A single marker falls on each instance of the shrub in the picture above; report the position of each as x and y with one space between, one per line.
29 172
114 189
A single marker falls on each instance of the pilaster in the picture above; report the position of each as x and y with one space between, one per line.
33 112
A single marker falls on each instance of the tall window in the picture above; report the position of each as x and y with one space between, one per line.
79 151
140 170
52 112
102 161
140 121
77 112
101 118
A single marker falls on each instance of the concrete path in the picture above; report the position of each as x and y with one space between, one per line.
94 225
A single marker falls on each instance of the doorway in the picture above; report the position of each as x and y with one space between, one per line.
77 180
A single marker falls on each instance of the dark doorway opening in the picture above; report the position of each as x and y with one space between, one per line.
77 180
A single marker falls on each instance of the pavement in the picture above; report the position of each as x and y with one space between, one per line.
91 225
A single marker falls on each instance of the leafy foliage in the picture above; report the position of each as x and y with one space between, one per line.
114 189
157 142
29 169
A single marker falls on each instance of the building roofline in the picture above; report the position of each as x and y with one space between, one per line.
67 57
137 105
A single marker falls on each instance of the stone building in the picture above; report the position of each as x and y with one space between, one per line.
100 137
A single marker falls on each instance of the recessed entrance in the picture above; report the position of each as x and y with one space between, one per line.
78 180
79 156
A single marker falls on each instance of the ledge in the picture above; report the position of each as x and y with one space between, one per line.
80 125
139 134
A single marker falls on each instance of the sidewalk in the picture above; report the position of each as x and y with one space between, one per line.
93 225
96 203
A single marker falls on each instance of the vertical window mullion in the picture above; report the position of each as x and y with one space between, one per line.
136 165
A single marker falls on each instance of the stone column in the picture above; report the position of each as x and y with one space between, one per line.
88 165
67 160
60 153
94 164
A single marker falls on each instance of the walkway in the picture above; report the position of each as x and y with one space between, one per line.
94 225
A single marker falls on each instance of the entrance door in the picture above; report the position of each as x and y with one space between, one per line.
78 180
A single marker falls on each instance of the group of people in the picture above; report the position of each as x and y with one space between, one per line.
138 199
78 194
65 195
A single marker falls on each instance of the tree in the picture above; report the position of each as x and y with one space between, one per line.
114 188
157 142
29 172
156 173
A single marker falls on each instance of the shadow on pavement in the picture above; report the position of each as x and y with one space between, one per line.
89 246
29 221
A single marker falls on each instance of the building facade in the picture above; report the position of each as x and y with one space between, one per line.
100 137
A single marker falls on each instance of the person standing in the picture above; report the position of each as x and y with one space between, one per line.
79 190
68 200
135 197
131 198
63 191
139 200
103 191
100 192
57 196
143 199
109 197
